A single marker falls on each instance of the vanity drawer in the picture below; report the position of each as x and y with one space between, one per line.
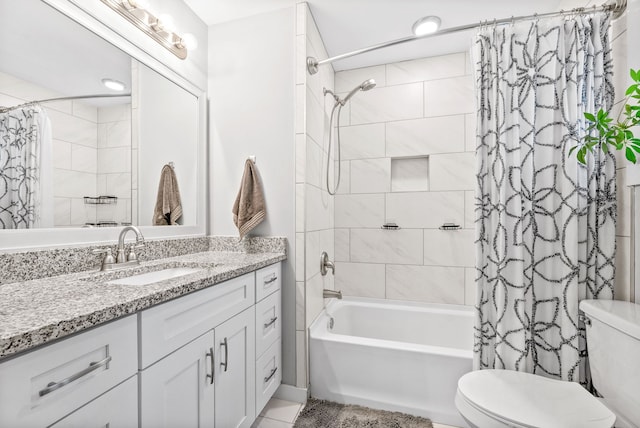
39 388
167 327
268 375
268 280
268 322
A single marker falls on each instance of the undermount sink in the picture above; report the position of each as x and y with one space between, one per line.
157 276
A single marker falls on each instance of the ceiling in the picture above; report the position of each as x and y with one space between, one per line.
42 46
347 25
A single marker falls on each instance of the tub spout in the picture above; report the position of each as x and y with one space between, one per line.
331 294
326 264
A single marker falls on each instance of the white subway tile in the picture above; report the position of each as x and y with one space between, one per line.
470 287
360 279
425 284
319 208
299 262
73 184
345 178
301 157
315 119
301 59
134 169
72 129
359 210
300 316
119 185
85 111
452 171
84 159
112 160
119 134
470 132
301 103
371 175
114 113
437 67
341 244
421 137
449 248
468 66
410 174
449 96
314 164
61 154
61 212
387 246
314 298
386 104
346 80
312 254
362 141
417 210
300 207
82 213
622 284
301 18
469 209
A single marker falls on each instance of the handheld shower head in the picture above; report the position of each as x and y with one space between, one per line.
364 86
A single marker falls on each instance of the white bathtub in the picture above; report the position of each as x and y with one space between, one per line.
392 355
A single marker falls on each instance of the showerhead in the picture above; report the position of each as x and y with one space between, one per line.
364 86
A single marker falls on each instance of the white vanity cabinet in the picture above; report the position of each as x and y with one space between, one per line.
50 385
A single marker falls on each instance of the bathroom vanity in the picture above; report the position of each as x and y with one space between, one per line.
199 345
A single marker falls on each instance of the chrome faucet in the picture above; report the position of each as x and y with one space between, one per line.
120 257
326 264
331 294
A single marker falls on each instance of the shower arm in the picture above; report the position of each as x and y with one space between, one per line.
617 7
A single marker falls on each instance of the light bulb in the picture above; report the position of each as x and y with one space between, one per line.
426 25
167 23
190 42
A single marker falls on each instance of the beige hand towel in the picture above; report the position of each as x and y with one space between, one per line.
168 204
249 208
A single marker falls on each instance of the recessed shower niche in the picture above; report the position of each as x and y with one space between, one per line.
410 174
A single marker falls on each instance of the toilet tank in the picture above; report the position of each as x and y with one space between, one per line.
613 341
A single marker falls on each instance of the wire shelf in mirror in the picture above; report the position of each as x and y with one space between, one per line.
100 200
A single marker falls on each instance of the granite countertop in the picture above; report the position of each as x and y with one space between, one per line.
39 311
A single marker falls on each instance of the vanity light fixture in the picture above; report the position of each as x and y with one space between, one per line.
161 30
426 25
113 84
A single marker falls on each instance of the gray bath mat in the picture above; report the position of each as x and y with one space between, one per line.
327 414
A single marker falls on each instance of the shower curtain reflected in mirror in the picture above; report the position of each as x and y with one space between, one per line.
545 223
26 196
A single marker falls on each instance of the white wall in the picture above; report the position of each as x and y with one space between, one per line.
251 99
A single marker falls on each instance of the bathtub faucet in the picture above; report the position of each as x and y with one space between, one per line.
331 294
326 264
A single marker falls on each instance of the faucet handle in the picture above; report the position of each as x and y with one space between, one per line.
132 256
108 257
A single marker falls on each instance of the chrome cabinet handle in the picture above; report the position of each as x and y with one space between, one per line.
269 281
271 322
226 354
210 376
272 374
52 386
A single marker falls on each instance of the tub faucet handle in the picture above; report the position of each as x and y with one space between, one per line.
331 294
326 264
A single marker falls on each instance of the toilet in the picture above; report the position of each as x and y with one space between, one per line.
506 398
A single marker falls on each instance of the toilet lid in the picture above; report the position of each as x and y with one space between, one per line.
533 401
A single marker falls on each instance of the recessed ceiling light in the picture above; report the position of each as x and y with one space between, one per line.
113 84
426 25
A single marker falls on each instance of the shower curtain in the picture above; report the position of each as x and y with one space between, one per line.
26 196
545 225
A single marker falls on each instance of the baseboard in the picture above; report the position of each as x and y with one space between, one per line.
291 393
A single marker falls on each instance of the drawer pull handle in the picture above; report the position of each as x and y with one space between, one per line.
210 376
226 354
272 374
52 386
271 322
269 281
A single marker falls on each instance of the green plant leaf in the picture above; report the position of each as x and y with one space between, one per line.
590 117
630 90
580 156
630 155
635 74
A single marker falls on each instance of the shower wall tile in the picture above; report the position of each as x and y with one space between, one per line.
404 246
300 108
301 18
84 111
426 136
361 279
119 185
345 179
431 284
468 64
623 222
341 242
425 210
315 119
312 246
299 263
418 70
389 103
61 154
449 247
319 209
300 205
73 129
622 289
469 209
363 141
118 134
62 211
470 132
449 96
301 49
452 171
359 211
410 174
84 159
300 310
315 301
72 184
82 213
113 160
116 113
470 287
349 79
371 175
315 158
301 157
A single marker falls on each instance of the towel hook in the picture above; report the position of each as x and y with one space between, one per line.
171 165
252 158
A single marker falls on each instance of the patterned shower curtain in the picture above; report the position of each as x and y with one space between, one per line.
21 145
545 225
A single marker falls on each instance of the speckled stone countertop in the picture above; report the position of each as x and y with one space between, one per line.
39 311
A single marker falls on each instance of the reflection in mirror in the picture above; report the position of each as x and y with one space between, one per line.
87 160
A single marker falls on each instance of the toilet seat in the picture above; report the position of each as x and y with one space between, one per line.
529 401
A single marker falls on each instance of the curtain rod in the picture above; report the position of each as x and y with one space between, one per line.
77 97
617 7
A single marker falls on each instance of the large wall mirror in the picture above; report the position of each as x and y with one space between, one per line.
100 151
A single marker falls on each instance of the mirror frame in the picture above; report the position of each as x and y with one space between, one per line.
119 34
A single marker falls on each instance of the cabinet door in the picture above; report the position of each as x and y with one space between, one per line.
178 391
117 408
235 371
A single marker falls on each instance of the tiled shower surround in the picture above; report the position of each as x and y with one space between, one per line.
408 158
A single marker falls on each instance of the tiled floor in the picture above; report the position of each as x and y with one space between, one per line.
282 414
